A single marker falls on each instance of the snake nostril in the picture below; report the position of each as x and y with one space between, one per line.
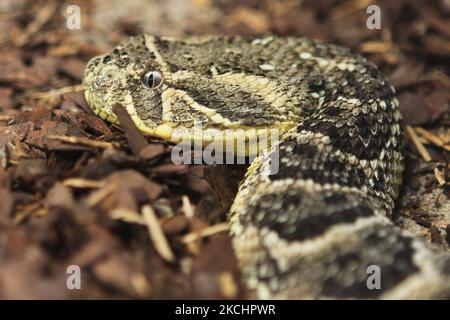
94 62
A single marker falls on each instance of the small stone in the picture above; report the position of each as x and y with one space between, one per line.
305 55
266 67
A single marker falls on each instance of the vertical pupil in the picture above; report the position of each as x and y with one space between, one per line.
150 80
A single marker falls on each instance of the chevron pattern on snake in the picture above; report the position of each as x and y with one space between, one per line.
312 229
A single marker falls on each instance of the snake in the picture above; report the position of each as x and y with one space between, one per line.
320 225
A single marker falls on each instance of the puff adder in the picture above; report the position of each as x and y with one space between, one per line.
313 228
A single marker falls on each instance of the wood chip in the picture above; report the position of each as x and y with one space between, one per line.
6 208
134 135
432 138
83 141
41 19
100 195
420 148
439 176
24 211
6 117
176 225
348 8
414 109
156 234
78 99
439 76
187 207
205 232
127 215
227 285
73 68
254 20
171 168
151 151
55 93
82 183
376 46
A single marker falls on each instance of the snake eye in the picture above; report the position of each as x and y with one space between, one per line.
152 79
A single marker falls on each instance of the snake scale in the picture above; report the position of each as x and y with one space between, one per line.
313 228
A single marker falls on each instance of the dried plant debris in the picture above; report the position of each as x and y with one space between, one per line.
75 190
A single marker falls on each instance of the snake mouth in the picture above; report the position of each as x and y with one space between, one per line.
248 140
101 111
106 113
251 140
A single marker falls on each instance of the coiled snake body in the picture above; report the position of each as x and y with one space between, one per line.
316 227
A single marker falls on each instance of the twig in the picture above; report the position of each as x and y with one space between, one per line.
82 183
415 139
54 93
432 138
41 19
83 141
25 211
99 195
205 232
156 234
376 46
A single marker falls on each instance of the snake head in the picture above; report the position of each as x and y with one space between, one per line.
172 88
130 75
